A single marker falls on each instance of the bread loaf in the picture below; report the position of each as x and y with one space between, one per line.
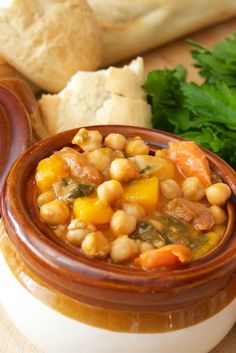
49 41
131 27
112 96
7 71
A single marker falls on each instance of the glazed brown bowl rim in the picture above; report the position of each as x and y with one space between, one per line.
15 126
66 272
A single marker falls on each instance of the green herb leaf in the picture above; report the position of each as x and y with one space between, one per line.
146 231
174 229
70 188
145 169
218 64
163 229
212 103
204 113
165 96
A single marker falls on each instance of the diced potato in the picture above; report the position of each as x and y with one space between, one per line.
48 171
161 153
212 240
161 167
92 210
145 192
219 229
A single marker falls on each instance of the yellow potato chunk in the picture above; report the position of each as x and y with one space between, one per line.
144 192
212 240
158 166
48 171
92 210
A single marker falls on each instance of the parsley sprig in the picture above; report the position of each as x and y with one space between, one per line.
203 113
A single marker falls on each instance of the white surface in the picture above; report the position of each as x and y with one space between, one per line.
11 341
55 333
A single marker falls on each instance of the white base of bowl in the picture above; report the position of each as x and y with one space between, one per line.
53 332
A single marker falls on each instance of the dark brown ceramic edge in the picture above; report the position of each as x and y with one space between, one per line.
23 92
96 282
15 131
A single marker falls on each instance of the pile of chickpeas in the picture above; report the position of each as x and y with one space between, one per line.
112 164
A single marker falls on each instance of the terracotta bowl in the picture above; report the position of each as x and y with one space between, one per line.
15 130
121 309
96 282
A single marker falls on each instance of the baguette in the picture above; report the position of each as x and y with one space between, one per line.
132 27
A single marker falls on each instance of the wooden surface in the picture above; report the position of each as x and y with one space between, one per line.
167 56
179 52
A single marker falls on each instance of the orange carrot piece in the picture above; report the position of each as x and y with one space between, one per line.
190 160
169 255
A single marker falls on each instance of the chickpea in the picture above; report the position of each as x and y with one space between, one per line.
170 189
88 140
218 194
115 141
123 170
78 230
193 189
55 212
123 249
60 232
144 246
136 146
45 197
218 214
100 158
95 244
134 209
111 191
122 223
118 154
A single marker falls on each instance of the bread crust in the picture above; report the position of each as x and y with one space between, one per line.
48 41
132 27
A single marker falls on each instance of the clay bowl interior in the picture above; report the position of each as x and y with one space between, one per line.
95 281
